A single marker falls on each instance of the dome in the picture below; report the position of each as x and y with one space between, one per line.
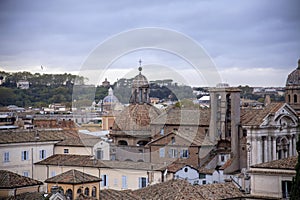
140 80
110 98
137 117
294 77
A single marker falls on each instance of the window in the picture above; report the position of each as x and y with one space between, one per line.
222 158
186 170
202 176
99 154
286 187
289 98
203 182
184 153
25 155
142 182
124 182
26 173
6 156
87 191
79 191
115 182
94 191
162 152
162 131
295 98
66 150
104 181
173 153
42 154
173 140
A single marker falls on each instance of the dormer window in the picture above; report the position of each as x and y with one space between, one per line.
173 140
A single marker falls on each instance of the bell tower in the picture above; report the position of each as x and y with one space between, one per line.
140 88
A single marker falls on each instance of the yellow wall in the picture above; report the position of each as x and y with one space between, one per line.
114 175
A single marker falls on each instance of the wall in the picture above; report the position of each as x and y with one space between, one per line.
180 144
114 175
16 164
267 184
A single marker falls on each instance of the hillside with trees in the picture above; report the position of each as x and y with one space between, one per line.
45 89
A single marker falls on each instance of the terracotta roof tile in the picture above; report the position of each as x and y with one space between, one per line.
176 116
28 195
109 194
254 117
89 161
73 177
135 120
286 163
181 189
12 180
62 137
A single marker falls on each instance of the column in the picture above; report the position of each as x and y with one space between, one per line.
290 147
253 151
259 150
294 144
265 150
274 157
269 148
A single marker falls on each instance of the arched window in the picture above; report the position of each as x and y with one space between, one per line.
69 194
87 191
79 191
142 143
295 98
289 98
94 191
123 142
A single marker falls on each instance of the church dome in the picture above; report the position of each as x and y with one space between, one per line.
140 80
137 117
110 98
294 77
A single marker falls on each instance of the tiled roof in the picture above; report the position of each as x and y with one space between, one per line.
181 189
73 177
80 139
286 163
63 137
135 119
219 191
176 116
88 161
28 195
254 117
194 135
109 194
12 180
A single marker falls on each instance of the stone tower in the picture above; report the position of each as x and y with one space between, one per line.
225 123
140 89
292 89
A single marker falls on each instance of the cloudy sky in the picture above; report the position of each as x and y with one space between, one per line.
254 42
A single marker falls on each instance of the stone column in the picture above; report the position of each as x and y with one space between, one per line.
290 147
253 151
259 151
269 148
294 144
265 150
274 157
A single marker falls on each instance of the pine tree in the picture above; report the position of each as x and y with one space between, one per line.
295 192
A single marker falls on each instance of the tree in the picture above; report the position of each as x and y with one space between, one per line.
295 192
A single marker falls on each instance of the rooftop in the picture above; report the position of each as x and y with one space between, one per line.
73 177
176 116
286 163
255 117
181 189
89 161
9 180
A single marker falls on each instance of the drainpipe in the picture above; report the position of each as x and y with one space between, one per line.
31 162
